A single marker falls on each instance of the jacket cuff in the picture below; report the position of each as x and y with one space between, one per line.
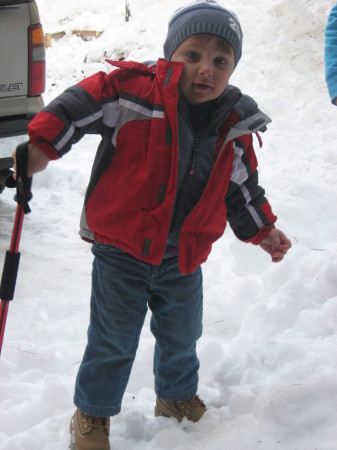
256 240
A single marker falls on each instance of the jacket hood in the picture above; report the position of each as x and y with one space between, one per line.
251 119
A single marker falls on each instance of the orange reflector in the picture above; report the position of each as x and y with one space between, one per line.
37 36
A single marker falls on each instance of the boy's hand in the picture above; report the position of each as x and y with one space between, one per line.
276 244
37 160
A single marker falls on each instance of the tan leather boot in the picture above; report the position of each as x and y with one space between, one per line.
89 433
192 409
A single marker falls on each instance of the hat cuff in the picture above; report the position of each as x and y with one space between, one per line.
203 28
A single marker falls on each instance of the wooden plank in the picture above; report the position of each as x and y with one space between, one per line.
87 33
49 36
84 34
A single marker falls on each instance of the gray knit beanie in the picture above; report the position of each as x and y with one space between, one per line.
203 16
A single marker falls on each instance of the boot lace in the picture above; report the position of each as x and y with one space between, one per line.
103 423
193 401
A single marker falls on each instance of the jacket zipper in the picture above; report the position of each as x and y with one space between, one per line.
195 149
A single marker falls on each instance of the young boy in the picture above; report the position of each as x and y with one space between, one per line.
175 162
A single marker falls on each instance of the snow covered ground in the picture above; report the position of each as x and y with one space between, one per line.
269 349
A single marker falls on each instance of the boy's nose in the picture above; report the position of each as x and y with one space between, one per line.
205 69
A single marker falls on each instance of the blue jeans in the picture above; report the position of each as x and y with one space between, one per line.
122 290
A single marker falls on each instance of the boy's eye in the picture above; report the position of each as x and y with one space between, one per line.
192 55
220 61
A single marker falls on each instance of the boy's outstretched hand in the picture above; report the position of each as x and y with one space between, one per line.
276 244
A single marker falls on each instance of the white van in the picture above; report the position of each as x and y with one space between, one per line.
22 65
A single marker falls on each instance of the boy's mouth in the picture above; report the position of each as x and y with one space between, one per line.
201 86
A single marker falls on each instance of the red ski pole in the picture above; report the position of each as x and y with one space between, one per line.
10 271
11 264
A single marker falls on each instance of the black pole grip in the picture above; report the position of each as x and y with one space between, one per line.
9 275
24 183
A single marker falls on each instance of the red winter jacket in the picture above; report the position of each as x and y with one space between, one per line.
131 194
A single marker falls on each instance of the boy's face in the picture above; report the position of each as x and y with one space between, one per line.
207 68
